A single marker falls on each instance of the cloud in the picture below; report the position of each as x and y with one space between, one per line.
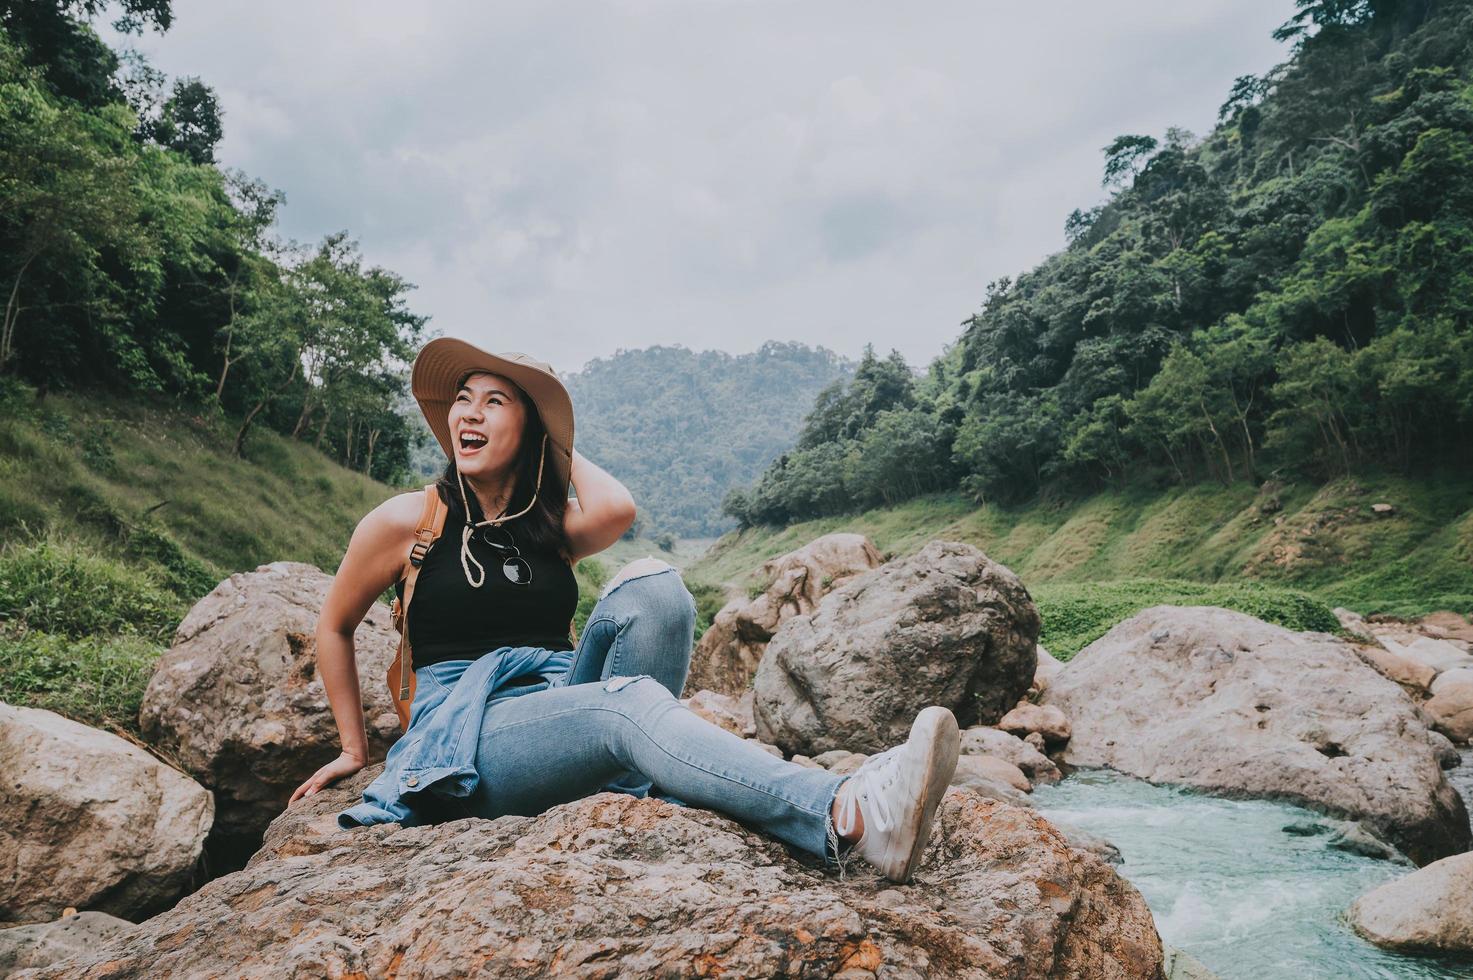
573 178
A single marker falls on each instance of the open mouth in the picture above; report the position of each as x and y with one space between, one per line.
471 442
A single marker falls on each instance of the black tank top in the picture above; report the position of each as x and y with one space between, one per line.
449 619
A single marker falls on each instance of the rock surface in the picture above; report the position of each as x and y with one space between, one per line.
732 714
1411 674
728 652
1429 909
1451 710
612 886
981 740
46 943
1045 719
1216 699
946 626
237 698
91 821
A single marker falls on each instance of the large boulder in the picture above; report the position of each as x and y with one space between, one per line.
946 625
1429 909
91 821
1216 699
611 885
238 701
728 652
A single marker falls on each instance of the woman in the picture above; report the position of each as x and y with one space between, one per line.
510 718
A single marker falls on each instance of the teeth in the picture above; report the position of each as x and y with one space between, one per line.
472 439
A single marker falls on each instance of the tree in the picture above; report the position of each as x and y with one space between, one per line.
1124 156
189 122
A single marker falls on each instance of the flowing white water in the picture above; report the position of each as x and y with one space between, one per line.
1229 885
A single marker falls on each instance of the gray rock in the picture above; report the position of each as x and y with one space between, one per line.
91 821
945 626
728 652
238 701
1218 700
1428 910
1448 756
612 886
46 943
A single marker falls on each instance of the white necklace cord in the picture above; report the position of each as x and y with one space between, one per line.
466 558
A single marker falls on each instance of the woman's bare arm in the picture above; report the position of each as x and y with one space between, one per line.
374 561
603 511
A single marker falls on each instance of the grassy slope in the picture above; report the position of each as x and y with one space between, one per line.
1265 549
94 577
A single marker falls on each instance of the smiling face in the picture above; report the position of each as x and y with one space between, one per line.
491 407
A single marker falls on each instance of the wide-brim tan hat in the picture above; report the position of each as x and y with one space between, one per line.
444 361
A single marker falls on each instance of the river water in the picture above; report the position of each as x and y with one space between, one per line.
1230 886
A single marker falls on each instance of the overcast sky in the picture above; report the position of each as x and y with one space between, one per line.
567 179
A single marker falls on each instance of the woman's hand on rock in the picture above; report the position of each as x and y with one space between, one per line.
343 765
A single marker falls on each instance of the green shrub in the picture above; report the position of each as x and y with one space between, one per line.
709 600
186 576
56 586
1076 614
97 680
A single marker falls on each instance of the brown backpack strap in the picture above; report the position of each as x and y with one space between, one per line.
431 523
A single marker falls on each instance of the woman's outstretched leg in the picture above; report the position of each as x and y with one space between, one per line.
565 743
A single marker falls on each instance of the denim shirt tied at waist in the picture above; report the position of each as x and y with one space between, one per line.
438 752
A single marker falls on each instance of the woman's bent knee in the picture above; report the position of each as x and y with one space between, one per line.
640 568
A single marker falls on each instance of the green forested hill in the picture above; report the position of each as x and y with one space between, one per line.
1285 551
681 427
1289 295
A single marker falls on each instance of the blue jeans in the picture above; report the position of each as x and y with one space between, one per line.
618 725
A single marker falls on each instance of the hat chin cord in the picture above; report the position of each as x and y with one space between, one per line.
466 558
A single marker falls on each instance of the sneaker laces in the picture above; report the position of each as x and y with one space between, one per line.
873 777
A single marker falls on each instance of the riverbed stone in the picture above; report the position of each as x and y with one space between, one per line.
92 821
610 885
238 701
1451 711
727 654
1215 699
1045 719
1430 909
1438 654
983 740
945 626
1411 674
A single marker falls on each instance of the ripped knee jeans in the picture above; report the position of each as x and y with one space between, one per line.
614 722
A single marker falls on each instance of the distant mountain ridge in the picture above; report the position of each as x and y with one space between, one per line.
680 427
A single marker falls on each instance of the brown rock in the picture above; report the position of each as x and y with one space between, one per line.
1218 700
1039 768
1428 910
1411 674
1045 719
238 701
91 820
1451 711
611 886
944 626
732 714
728 652
995 769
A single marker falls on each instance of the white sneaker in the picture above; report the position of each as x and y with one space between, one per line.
897 792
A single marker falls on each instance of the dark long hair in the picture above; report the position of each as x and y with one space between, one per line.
541 528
